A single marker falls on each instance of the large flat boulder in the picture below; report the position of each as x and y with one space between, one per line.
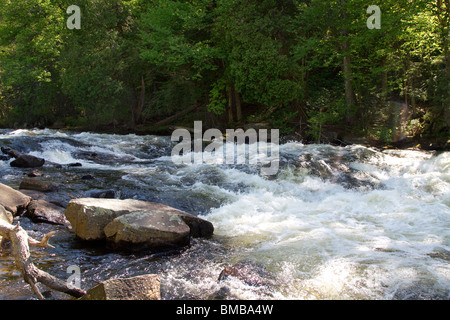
12 200
145 287
98 219
155 229
89 216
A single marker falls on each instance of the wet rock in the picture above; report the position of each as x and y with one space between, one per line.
75 164
108 194
34 173
36 195
248 272
145 287
149 223
60 199
41 211
12 200
38 185
102 158
27 161
10 152
87 177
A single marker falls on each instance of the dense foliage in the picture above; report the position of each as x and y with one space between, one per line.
303 66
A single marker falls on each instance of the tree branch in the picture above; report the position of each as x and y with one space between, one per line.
31 274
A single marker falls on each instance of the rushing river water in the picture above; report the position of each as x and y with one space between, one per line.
334 223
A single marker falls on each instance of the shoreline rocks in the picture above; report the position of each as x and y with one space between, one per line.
5 216
41 211
12 200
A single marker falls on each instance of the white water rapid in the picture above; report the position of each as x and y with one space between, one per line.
334 223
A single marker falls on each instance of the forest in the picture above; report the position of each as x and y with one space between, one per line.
310 68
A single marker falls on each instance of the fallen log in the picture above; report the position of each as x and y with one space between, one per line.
31 274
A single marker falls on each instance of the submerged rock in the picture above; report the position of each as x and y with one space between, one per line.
12 200
35 173
41 211
109 194
145 287
38 185
134 223
248 272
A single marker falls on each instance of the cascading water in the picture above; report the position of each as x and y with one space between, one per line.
334 223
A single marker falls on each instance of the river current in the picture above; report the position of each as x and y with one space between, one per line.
334 223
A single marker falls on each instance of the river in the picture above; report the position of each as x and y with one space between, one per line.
333 223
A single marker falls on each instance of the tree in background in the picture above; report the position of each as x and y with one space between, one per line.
308 66
30 46
102 74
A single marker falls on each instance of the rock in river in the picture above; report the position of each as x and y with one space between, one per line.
156 229
134 223
145 287
13 200
41 211
38 185
27 161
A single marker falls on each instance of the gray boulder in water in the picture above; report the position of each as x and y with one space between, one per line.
156 229
134 224
145 287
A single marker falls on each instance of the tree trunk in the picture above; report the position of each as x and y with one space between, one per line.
140 105
349 94
346 67
237 101
384 82
137 106
31 274
230 104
